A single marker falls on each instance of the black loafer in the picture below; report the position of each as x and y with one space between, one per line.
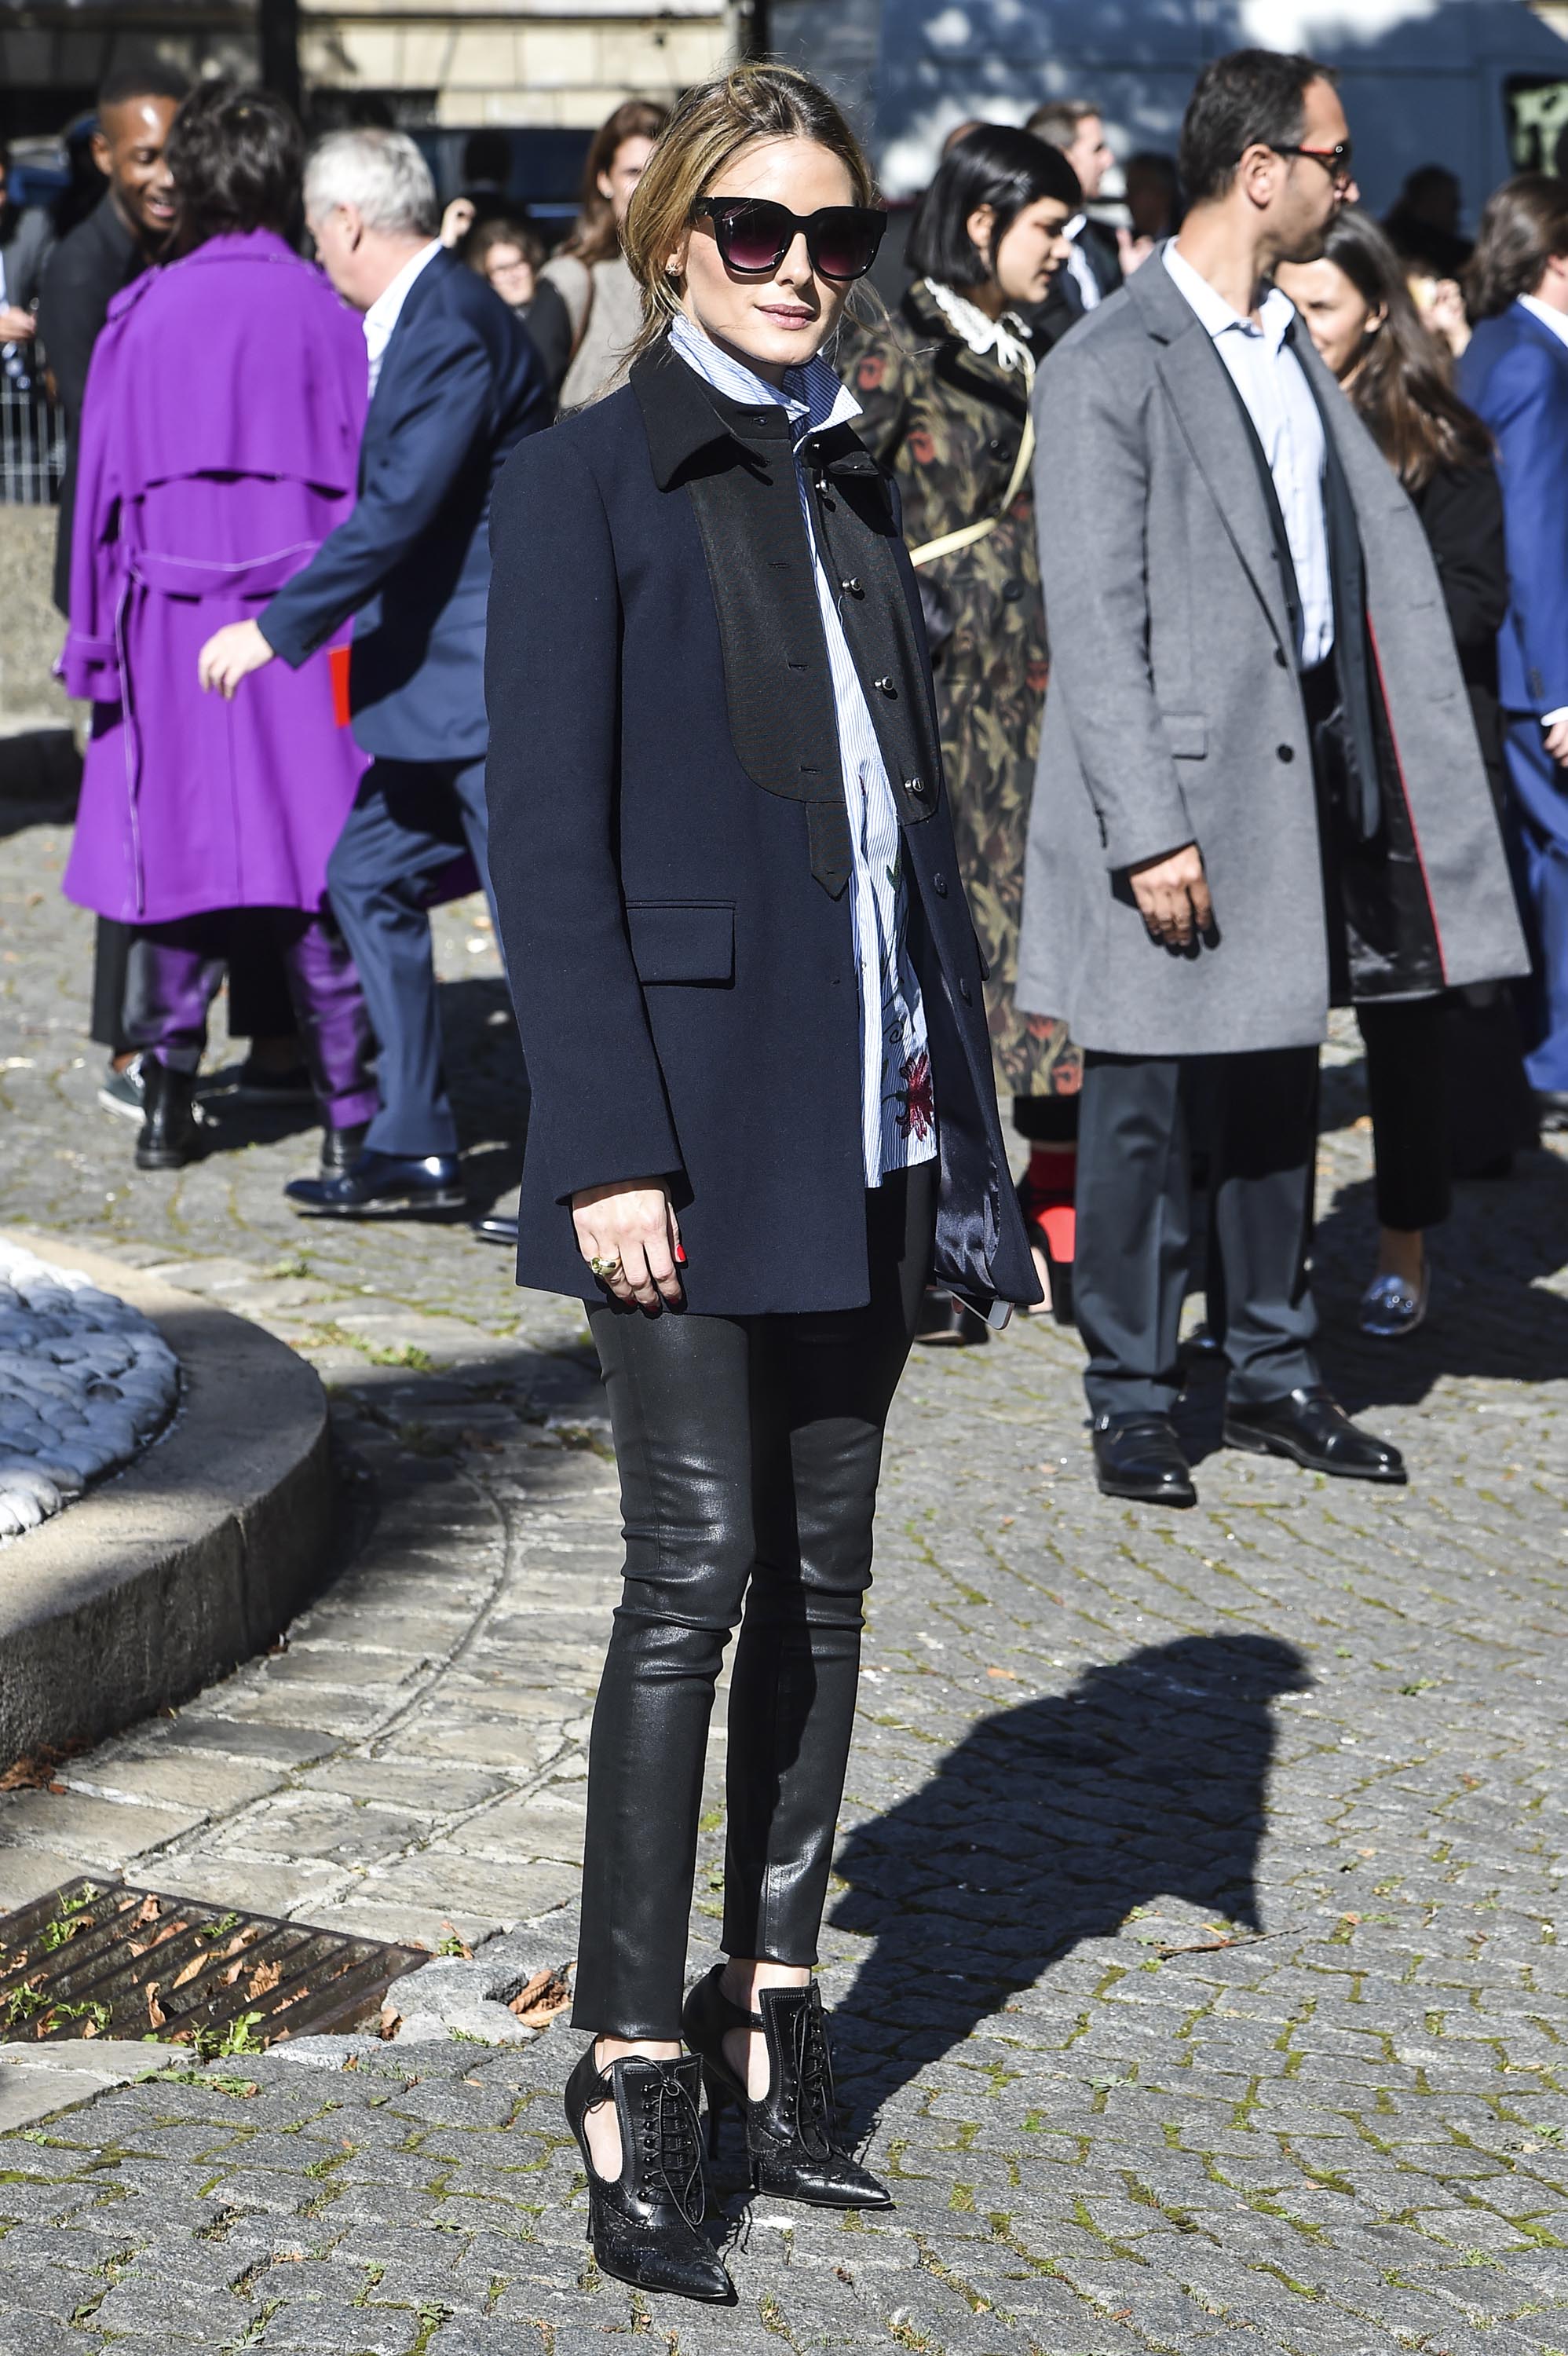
382 1186
1139 1456
496 1227
1310 1427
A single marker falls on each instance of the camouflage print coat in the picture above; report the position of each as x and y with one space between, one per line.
949 421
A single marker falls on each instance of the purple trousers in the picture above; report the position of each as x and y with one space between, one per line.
174 973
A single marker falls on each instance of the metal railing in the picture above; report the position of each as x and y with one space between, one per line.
32 430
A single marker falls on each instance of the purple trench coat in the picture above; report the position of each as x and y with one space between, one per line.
219 443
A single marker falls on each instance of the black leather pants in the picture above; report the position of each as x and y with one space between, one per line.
749 1451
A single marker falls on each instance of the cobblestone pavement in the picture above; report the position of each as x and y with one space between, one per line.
1193 1940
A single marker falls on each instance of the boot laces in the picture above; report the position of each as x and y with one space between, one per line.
672 2155
814 2101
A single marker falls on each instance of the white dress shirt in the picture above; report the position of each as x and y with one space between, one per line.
1270 380
1078 266
898 1125
387 309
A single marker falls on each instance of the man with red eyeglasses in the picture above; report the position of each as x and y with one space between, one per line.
1259 792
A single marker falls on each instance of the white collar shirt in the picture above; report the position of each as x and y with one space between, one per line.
898 1126
1557 321
1278 399
1078 266
387 309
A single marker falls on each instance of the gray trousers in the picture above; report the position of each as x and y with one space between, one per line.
1142 1118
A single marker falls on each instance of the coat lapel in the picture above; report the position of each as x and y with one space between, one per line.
1206 411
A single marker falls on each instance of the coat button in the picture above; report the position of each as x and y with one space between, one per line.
939 884
997 448
1013 591
852 588
911 785
1286 751
965 992
885 685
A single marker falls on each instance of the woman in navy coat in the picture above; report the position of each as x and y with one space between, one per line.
762 1111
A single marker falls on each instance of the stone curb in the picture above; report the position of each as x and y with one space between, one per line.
188 1562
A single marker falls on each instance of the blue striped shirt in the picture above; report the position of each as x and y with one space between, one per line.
898 1116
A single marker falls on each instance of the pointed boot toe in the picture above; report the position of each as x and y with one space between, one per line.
647 2226
792 2138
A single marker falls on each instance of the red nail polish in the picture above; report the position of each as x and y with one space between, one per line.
680 1255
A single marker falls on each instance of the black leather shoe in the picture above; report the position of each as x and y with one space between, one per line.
341 1147
382 1186
1308 1426
1139 1456
644 2227
791 2133
169 1136
496 1227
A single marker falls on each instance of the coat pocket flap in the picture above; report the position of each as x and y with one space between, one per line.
682 940
1187 734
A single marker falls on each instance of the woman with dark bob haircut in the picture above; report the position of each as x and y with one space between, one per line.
749 998
945 391
219 445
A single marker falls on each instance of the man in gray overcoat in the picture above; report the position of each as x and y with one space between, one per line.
1258 789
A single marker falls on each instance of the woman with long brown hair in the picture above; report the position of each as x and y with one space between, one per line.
1361 315
763 1112
589 272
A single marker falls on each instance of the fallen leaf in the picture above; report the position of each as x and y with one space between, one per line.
537 2003
264 1979
155 2012
1011 1675
189 1972
89 2028
148 1912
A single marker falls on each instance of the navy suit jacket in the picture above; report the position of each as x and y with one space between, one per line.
460 386
1515 375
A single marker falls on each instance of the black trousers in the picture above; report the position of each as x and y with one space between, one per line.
750 1450
1142 1118
260 1006
1406 1042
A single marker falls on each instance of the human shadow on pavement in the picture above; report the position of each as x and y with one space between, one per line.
1046 1825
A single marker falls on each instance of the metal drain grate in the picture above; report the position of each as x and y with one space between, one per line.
101 1959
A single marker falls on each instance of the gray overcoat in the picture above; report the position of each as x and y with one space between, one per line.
1175 713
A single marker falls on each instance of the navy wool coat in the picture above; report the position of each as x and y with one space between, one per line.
460 385
670 853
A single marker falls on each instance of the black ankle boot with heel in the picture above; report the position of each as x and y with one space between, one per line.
791 2133
645 2226
170 1137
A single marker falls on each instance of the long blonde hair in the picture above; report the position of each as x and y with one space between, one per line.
712 124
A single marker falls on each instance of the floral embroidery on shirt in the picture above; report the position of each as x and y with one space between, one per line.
915 1099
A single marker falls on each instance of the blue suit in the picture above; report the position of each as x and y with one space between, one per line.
1515 375
460 386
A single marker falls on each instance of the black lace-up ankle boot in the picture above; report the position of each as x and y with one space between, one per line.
791 2133
644 2227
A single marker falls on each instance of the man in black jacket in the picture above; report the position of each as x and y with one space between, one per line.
125 231
1094 268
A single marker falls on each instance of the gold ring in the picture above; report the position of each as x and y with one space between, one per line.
606 1270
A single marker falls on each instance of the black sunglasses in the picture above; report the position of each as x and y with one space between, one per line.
1336 160
754 235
